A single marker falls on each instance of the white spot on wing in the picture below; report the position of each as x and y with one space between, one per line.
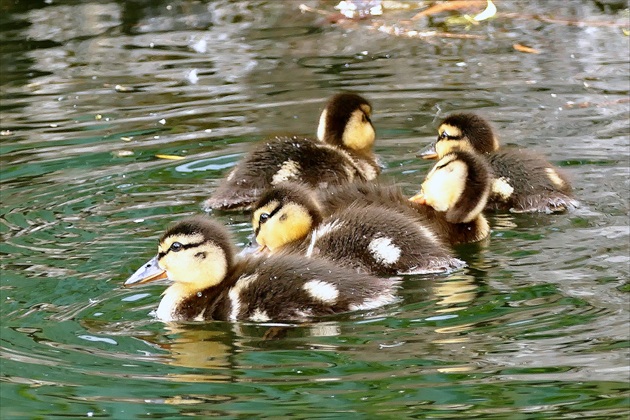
321 128
554 177
322 291
289 169
322 230
200 316
429 234
259 316
502 187
384 251
234 294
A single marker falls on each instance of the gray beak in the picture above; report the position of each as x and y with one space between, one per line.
150 271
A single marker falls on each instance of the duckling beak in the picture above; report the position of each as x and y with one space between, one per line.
150 271
428 152
419 199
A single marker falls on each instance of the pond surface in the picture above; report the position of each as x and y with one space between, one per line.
537 325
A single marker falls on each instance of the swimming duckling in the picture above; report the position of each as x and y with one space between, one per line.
368 237
342 153
453 196
198 255
522 182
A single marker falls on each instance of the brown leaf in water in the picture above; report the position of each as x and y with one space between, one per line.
523 48
169 157
449 6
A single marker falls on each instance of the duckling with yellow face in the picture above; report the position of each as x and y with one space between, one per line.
341 154
453 196
210 283
523 182
365 236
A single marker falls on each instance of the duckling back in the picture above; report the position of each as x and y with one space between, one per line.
391 198
374 239
368 236
526 182
287 288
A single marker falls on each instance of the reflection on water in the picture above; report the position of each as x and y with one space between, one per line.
92 92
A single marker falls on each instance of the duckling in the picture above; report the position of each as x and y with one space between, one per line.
450 203
523 182
210 283
342 153
368 237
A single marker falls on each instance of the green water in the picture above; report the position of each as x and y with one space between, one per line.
537 325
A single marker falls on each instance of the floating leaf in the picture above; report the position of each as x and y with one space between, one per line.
123 153
490 11
523 48
169 157
448 6
121 88
353 9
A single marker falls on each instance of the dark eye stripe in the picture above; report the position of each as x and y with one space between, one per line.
445 136
261 221
271 214
443 165
184 246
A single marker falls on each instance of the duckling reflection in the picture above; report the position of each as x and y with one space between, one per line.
453 292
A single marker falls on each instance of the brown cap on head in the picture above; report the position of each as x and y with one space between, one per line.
346 122
471 127
210 230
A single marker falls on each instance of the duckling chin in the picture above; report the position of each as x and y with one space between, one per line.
522 181
341 154
453 196
210 283
368 237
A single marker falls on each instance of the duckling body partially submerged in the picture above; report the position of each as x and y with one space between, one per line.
450 204
522 181
365 236
210 284
341 154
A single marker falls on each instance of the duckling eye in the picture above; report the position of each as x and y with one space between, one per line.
366 118
443 135
176 247
263 217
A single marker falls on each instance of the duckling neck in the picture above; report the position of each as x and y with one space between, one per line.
456 233
174 298
474 230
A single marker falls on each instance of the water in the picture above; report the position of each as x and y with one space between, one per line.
535 327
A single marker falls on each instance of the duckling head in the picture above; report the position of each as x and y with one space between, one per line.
464 131
346 122
195 254
459 185
283 214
